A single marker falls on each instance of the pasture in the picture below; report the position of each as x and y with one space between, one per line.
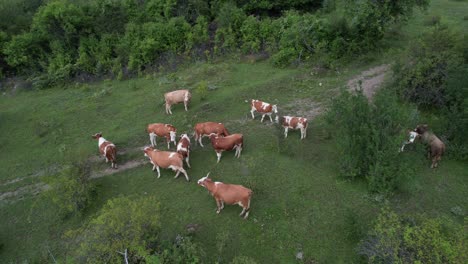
300 204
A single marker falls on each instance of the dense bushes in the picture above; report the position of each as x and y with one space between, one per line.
397 239
368 136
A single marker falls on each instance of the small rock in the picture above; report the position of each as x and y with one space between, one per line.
300 255
192 228
457 210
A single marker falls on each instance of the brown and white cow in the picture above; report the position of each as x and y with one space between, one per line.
435 145
175 97
220 144
207 128
263 108
183 148
292 122
107 149
166 160
228 193
162 130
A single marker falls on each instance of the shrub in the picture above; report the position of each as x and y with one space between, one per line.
182 251
250 31
202 90
394 239
72 191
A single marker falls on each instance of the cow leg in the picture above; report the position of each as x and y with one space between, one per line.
302 133
246 213
218 206
153 139
269 115
219 156
263 116
159 173
168 143
185 105
114 164
252 112
305 132
200 141
238 151
187 160
154 167
285 132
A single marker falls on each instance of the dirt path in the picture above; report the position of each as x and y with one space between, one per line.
371 80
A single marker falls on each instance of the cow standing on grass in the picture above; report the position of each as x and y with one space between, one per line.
107 149
292 122
207 128
220 144
183 148
175 97
162 130
166 160
228 193
436 146
263 108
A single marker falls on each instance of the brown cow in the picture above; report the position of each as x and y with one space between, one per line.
220 144
207 128
175 97
166 160
183 148
162 130
228 193
107 149
436 146
291 122
263 108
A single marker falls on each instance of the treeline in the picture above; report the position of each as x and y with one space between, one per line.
57 40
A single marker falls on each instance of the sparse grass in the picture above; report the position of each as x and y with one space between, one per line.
299 202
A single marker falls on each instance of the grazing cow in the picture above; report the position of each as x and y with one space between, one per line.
183 148
291 122
166 160
162 130
107 149
412 136
207 128
220 144
263 108
176 97
436 146
228 193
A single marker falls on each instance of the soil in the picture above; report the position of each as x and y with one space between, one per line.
371 80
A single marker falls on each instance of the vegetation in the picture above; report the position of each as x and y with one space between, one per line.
107 65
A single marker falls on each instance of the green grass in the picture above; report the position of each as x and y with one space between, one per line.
299 202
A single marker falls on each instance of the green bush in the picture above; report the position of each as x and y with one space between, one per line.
250 31
368 137
202 90
72 190
397 239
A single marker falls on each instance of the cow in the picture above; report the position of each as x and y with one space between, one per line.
162 130
220 144
292 122
436 146
228 193
183 148
207 128
175 97
411 138
166 160
263 108
107 149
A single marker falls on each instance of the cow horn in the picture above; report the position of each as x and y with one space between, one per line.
208 174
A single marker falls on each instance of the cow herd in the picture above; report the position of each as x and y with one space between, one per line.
221 140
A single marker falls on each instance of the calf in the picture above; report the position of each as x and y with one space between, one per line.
228 193
166 160
176 97
207 128
162 130
291 122
412 136
263 108
436 146
183 148
220 144
107 149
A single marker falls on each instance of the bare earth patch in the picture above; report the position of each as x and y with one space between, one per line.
371 80
126 166
304 107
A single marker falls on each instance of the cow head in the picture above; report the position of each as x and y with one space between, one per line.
412 136
185 136
421 129
275 109
147 150
97 135
173 135
212 135
204 180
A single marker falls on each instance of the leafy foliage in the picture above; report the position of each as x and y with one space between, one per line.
397 239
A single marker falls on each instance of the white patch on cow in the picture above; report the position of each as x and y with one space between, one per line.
173 135
265 105
101 140
275 109
412 136
287 119
180 148
172 155
174 168
217 183
240 203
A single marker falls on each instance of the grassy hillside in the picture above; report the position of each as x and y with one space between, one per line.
299 202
